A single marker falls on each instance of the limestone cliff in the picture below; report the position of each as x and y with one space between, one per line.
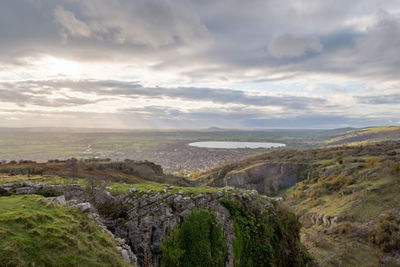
266 178
144 219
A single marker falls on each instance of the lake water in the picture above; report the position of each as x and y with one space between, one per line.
220 144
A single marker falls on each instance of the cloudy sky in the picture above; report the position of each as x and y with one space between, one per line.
199 63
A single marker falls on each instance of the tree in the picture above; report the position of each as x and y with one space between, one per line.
200 241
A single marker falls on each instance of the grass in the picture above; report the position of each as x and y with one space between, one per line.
120 188
34 232
114 188
361 206
46 145
363 136
48 179
348 252
364 188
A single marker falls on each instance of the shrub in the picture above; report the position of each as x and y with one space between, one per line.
252 245
339 158
200 241
387 233
265 240
395 168
371 162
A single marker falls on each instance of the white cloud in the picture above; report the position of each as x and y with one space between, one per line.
187 53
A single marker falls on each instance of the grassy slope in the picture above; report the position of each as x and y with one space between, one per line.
34 232
362 136
375 181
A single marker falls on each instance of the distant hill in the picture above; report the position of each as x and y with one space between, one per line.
214 129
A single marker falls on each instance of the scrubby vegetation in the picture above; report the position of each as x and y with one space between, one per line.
34 232
349 204
340 198
263 239
387 233
362 136
199 241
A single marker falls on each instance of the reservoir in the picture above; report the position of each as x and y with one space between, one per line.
222 144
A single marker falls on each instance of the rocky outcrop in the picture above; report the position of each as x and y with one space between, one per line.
266 178
149 219
144 220
325 220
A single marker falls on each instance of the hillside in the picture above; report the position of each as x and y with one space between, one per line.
359 136
347 198
162 224
35 232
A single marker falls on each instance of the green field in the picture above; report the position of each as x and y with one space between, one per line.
19 144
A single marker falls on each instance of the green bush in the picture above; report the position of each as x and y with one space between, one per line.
252 245
266 240
200 241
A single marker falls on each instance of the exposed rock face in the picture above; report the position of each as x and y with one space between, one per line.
266 178
148 220
326 220
144 220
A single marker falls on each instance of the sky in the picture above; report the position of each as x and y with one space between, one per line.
188 64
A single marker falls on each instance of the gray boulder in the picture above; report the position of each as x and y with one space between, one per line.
60 200
85 207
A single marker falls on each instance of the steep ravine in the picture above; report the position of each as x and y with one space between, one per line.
265 178
144 219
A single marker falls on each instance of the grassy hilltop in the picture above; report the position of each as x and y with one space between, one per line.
35 232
